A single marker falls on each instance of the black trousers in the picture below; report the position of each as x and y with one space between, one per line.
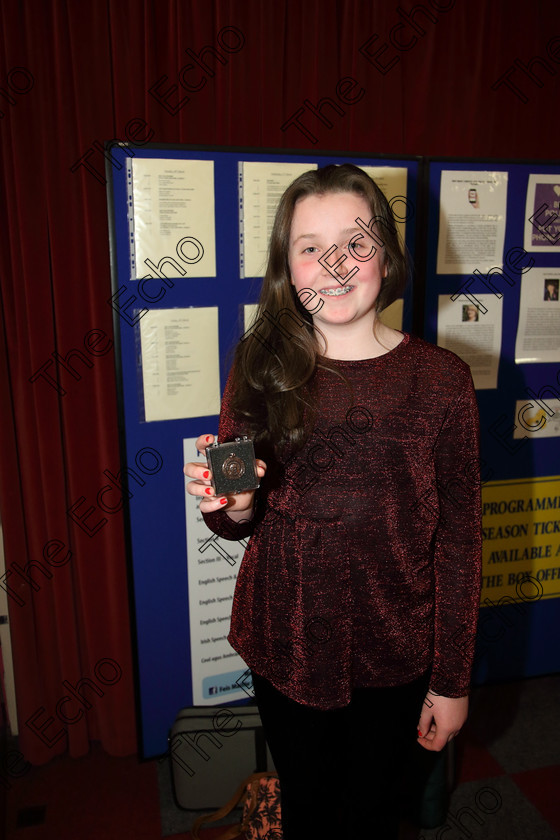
340 770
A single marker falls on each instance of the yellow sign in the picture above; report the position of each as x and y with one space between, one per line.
521 540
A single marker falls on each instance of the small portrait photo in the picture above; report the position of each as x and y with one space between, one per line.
470 312
551 289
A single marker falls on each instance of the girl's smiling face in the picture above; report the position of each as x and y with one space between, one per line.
319 222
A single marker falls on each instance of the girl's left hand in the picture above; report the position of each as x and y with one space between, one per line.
441 719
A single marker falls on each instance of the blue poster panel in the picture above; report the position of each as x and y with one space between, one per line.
492 278
188 244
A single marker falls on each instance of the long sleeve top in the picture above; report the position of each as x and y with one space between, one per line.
363 566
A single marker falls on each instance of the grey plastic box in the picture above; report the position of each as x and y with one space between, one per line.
212 749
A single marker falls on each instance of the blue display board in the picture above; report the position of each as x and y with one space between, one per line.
518 623
152 452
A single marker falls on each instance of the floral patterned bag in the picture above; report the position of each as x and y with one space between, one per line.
261 820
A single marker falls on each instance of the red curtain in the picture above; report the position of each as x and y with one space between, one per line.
441 77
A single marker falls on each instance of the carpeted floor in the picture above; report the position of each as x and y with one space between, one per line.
509 765
508 785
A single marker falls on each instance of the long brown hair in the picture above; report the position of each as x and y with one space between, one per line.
275 361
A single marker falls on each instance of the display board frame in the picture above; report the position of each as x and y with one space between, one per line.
152 451
518 617
520 603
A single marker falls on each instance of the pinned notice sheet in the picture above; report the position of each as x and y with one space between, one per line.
392 315
542 214
538 330
474 333
472 221
392 181
179 380
212 566
171 209
260 188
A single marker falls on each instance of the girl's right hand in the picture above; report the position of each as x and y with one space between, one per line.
238 505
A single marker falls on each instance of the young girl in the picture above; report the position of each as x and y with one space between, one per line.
357 598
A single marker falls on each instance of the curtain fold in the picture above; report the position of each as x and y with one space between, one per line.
106 69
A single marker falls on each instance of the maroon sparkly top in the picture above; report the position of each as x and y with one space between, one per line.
363 568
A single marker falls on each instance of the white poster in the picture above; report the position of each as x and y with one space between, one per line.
172 221
261 186
538 330
542 214
472 221
392 181
213 565
537 419
392 315
249 315
473 334
178 380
